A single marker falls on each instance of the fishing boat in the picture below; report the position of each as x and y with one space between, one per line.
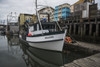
45 35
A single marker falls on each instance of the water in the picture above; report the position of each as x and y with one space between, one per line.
15 53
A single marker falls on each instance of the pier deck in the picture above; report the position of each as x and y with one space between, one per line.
84 47
90 46
91 61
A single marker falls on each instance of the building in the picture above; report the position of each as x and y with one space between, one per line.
62 12
86 27
81 5
46 14
80 9
78 5
82 1
72 8
31 18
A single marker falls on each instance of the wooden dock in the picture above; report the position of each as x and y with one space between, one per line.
84 47
91 61
91 46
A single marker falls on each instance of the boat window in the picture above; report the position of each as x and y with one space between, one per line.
51 28
35 27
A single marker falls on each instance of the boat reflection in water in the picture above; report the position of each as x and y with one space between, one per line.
13 40
14 45
41 58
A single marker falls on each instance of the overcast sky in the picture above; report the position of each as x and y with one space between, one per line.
27 6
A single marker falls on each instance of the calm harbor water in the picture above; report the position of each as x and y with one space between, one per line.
14 53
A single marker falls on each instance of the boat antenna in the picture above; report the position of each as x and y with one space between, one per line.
37 14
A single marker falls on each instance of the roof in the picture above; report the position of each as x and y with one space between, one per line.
82 1
45 8
28 14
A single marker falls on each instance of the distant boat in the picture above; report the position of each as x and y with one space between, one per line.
45 35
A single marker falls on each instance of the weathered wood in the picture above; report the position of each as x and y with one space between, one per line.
91 61
86 47
71 65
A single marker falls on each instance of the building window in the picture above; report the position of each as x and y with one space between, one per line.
48 10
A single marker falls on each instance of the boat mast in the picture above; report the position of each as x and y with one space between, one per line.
37 14
56 21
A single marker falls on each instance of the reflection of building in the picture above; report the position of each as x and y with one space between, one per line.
3 29
47 13
13 40
13 45
62 11
31 18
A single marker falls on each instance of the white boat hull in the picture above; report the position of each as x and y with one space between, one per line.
53 42
54 45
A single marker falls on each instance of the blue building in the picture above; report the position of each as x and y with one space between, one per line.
62 12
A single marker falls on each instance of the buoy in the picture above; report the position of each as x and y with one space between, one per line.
29 34
68 40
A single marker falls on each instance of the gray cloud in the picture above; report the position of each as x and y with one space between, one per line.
98 1
3 1
24 6
27 6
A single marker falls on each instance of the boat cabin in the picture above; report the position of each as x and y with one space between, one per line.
47 28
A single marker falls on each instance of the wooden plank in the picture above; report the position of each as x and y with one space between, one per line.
71 65
91 61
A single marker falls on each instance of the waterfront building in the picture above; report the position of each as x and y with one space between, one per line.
72 8
46 13
79 6
82 1
31 18
62 11
84 23
80 9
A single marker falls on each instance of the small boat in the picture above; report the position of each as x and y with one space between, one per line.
45 35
